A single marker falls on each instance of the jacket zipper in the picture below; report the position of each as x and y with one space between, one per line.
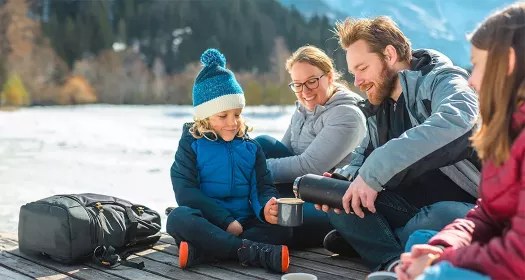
92 219
231 167
403 85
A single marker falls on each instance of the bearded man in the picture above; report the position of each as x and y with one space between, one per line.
415 168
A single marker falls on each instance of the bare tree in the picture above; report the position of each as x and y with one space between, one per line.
4 47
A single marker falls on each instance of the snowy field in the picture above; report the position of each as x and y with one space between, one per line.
124 151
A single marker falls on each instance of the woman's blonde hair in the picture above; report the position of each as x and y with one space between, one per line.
500 94
318 58
202 128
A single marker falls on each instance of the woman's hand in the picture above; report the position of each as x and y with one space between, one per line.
235 228
271 210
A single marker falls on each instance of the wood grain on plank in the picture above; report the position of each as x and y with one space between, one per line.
160 253
259 272
29 268
6 274
303 261
80 271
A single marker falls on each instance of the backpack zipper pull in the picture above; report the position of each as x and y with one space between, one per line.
98 205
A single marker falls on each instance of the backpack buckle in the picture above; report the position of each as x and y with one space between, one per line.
98 205
106 256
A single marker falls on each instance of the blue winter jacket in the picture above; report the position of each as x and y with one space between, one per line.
227 181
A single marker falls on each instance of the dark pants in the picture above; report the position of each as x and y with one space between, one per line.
187 224
380 237
315 223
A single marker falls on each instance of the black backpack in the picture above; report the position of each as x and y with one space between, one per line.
73 228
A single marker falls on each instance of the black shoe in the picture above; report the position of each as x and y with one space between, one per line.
188 255
272 257
336 244
169 209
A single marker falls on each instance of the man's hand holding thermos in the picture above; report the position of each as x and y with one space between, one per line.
358 194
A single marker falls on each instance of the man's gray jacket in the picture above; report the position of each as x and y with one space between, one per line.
443 111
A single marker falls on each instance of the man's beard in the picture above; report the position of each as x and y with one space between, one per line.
384 88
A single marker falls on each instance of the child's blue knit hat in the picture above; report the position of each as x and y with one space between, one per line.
215 89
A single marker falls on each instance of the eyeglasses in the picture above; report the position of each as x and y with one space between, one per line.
312 83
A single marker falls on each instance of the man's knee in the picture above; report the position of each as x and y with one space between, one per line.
440 214
343 220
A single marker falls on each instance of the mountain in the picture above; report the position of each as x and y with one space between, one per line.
310 8
436 24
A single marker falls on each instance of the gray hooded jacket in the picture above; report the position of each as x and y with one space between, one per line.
443 111
321 140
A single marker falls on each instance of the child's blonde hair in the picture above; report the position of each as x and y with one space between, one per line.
201 127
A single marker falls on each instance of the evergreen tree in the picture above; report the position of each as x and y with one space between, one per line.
178 31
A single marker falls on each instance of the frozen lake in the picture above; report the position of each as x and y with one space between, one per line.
123 151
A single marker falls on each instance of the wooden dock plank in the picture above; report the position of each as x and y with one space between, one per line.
335 270
8 240
87 271
79 271
159 254
321 251
157 270
326 271
331 260
129 273
29 268
6 274
162 263
231 267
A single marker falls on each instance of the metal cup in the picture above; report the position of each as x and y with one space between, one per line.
298 276
290 212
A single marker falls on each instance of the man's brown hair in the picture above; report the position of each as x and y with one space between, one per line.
378 32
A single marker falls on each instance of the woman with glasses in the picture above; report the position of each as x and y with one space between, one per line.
323 131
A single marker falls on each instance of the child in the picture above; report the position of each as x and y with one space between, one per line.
490 241
227 201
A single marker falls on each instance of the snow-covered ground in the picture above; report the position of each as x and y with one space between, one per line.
124 151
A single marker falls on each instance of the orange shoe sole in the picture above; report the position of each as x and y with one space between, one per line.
183 254
285 259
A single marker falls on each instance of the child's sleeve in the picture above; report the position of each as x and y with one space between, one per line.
184 176
265 188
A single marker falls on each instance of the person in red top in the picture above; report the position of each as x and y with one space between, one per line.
490 241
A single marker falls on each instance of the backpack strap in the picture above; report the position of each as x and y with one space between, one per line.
107 257
132 230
